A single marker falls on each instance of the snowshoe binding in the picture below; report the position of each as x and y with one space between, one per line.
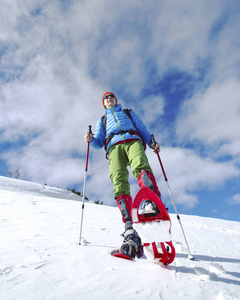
131 246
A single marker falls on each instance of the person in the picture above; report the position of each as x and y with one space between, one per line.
123 137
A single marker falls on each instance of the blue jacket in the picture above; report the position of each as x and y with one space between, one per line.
118 120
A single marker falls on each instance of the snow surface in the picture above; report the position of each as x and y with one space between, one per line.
40 255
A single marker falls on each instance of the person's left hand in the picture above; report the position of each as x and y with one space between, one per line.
155 148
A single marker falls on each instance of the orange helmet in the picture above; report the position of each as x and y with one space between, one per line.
108 94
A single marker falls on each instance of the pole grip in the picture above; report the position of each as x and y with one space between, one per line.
153 141
89 132
89 129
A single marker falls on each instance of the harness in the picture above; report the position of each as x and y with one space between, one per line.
132 132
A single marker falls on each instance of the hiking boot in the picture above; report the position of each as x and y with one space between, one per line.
131 243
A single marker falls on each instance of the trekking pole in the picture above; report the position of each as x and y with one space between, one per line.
84 185
170 193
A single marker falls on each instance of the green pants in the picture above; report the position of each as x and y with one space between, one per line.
122 155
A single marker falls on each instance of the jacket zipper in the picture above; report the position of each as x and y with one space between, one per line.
117 122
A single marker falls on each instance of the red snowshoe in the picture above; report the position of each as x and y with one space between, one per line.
154 227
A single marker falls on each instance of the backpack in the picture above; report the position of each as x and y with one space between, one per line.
107 140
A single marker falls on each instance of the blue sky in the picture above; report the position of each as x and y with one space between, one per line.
175 63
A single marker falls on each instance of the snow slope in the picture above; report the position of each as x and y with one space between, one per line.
40 257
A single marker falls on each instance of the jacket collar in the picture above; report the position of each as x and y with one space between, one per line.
116 108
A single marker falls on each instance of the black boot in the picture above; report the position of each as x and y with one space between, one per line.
131 243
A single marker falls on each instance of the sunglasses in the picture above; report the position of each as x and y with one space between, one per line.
108 96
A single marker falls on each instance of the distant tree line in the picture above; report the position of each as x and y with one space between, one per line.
86 198
15 174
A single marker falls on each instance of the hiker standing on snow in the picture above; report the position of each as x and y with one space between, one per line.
122 136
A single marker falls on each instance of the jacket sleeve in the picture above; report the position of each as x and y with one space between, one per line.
99 136
141 128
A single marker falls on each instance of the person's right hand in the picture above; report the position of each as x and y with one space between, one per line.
88 138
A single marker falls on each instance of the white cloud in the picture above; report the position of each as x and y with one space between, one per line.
180 36
213 118
225 48
45 167
150 110
235 200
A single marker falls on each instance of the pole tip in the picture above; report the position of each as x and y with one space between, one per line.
190 257
83 242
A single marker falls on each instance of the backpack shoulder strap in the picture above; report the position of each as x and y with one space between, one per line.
127 112
104 122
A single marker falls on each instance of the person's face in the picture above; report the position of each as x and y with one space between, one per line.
109 101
